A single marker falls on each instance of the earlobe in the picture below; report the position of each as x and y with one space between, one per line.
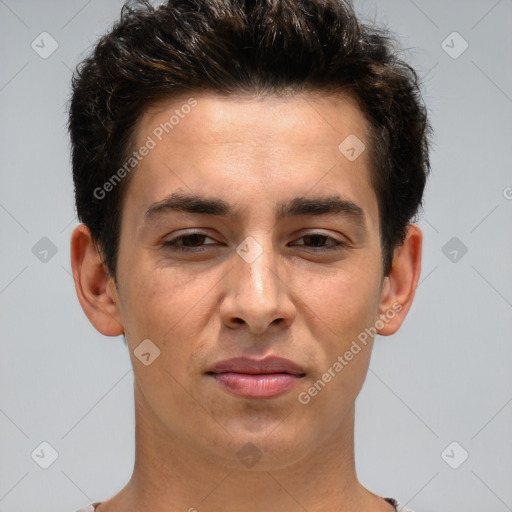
94 286
399 287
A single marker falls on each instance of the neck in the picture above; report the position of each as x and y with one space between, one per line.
172 474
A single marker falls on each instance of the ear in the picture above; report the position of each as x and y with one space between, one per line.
400 285
95 288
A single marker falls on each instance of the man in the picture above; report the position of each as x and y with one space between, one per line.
246 173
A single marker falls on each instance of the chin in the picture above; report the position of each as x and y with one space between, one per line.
257 447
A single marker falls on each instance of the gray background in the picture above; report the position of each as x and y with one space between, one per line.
445 377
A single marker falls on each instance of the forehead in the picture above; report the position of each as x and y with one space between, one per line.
246 148
310 118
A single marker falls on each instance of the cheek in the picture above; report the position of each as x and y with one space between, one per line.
346 307
165 304
345 303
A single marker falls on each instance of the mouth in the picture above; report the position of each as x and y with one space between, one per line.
251 378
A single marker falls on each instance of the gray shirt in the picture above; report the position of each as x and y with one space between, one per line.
398 506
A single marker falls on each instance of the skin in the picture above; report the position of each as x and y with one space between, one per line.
203 307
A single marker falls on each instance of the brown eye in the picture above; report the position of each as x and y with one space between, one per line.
318 240
191 242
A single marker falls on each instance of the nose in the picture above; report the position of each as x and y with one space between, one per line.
258 291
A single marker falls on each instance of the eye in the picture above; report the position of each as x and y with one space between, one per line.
187 242
317 239
192 242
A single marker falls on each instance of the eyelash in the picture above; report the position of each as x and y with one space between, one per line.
173 244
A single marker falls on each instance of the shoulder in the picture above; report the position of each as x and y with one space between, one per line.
398 506
89 508
402 508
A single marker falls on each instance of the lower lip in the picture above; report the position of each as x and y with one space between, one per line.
256 386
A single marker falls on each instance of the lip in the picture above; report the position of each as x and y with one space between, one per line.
268 365
253 378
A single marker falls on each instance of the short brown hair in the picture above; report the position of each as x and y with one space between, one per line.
244 47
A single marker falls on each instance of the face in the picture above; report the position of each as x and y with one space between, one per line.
247 232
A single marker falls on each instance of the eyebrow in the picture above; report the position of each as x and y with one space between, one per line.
194 203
